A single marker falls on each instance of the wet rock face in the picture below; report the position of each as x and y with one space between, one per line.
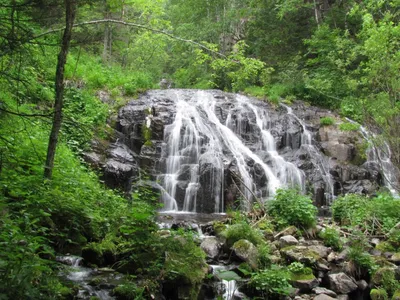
203 146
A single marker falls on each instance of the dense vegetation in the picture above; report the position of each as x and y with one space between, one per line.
339 54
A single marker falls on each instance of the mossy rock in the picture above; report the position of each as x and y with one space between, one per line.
247 252
383 262
128 291
396 258
384 247
396 295
382 275
300 254
378 294
219 227
304 282
66 293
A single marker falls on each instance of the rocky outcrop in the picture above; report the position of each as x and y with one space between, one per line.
220 141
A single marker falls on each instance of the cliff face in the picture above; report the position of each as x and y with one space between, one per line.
205 150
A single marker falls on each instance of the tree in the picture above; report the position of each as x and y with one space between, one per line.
70 11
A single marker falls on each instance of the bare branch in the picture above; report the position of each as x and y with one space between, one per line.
25 115
137 26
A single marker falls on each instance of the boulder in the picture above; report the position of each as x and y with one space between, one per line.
211 246
341 283
323 297
246 252
325 291
300 254
287 240
321 250
305 283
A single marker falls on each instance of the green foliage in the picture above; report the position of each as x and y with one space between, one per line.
92 74
129 291
264 252
299 268
271 282
291 208
241 231
347 126
385 278
327 121
331 238
236 71
184 260
360 211
378 294
361 262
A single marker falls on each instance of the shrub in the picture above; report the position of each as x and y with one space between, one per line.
326 121
378 294
241 231
129 291
290 208
271 282
349 126
361 262
331 238
184 260
360 211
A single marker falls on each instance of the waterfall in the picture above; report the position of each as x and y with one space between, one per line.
381 156
202 142
318 159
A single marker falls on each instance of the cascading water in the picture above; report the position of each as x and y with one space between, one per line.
318 159
381 156
201 142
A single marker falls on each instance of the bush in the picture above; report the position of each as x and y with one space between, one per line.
241 231
349 126
360 211
378 294
291 208
271 282
129 291
326 121
331 238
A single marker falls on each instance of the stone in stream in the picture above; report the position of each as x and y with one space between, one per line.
211 246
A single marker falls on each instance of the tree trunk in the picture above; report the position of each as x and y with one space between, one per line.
70 9
107 35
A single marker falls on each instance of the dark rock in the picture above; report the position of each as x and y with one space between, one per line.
211 247
321 290
305 285
341 283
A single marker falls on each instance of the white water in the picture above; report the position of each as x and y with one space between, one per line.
81 275
229 287
319 160
198 139
382 157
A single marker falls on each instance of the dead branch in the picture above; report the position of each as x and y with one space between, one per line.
163 32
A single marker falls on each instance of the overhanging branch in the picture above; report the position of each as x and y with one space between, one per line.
93 22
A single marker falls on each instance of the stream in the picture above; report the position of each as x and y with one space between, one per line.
100 282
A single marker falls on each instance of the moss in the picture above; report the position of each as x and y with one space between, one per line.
297 276
384 247
396 295
66 292
242 245
128 291
378 294
385 278
219 227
